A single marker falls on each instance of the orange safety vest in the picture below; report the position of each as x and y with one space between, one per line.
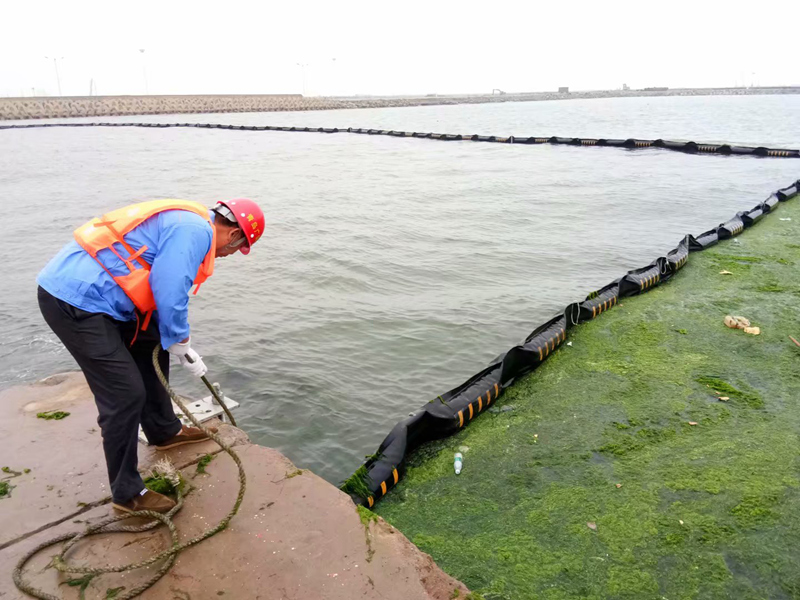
103 233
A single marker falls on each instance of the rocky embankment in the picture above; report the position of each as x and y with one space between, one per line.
98 106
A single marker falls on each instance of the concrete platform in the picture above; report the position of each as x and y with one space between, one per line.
296 536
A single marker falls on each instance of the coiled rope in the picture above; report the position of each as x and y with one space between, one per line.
169 555
629 143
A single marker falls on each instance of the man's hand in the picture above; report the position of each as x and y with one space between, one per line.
190 359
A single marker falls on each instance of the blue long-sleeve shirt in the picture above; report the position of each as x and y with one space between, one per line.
177 242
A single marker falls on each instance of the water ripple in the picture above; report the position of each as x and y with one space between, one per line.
392 269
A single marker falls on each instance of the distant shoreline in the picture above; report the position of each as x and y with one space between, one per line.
97 106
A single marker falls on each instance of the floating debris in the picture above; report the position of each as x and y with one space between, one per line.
736 322
458 463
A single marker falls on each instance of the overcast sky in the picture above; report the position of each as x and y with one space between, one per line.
408 47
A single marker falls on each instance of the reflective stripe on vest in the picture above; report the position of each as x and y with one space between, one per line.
103 233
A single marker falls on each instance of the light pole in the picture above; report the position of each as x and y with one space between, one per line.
58 78
144 71
303 68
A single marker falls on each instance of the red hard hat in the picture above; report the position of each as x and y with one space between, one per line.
249 217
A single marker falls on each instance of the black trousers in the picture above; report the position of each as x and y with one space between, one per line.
124 383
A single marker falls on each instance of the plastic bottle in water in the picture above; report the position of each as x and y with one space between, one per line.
458 462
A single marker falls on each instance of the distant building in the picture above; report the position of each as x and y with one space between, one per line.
625 87
563 90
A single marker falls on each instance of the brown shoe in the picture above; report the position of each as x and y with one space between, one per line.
150 500
187 435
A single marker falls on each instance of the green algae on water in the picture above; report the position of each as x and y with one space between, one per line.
749 399
691 512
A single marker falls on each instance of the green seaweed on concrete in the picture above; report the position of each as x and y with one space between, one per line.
366 515
112 593
160 485
5 489
203 463
5 486
165 478
690 497
165 482
82 583
52 415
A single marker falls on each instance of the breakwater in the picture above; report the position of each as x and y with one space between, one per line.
96 106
